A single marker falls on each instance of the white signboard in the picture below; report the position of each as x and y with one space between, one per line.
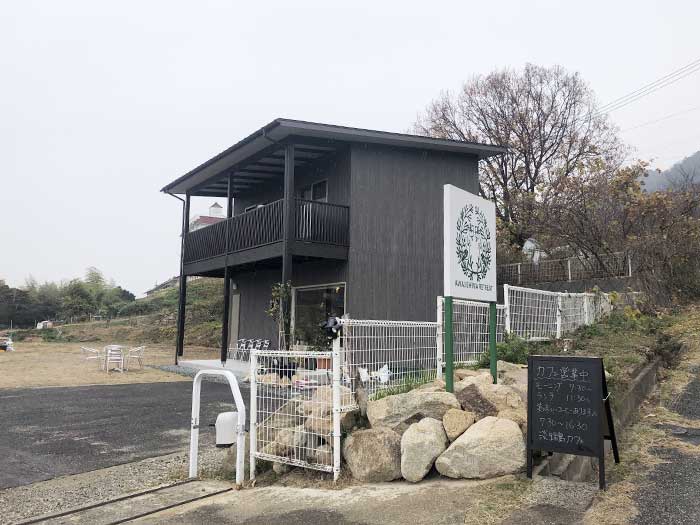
469 245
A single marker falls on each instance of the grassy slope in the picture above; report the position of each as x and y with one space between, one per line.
152 320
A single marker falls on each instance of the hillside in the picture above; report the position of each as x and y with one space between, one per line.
152 320
688 168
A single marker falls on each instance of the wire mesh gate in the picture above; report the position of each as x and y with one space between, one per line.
295 402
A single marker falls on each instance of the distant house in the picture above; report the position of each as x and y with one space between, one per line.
216 214
42 325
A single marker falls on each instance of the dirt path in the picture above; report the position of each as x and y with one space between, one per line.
658 480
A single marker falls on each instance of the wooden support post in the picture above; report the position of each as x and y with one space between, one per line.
289 205
227 277
289 228
182 300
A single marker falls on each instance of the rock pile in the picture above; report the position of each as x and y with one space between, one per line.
476 433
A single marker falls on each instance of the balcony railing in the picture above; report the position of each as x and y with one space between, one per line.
316 222
322 222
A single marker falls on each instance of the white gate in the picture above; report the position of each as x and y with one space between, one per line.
294 412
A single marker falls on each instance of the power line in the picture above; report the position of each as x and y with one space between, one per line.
650 88
663 118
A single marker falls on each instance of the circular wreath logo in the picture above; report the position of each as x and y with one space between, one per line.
473 242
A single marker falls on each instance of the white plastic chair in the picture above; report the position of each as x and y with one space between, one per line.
136 354
90 354
114 354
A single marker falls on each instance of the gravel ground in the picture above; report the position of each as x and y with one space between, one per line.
688 404
671 495
64 493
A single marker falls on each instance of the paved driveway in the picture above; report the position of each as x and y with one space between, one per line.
50 432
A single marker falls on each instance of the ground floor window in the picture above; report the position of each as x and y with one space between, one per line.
312 305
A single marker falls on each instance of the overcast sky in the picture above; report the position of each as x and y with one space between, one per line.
103 103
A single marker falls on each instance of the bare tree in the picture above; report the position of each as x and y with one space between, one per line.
549 121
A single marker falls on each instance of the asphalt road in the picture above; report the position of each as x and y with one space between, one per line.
50 432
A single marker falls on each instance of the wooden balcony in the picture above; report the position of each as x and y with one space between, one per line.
321 230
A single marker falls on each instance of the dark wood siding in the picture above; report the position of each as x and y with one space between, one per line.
255 287
395 256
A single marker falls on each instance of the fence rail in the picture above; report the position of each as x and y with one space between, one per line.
569 269
301 401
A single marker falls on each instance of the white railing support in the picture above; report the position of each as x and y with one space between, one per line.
629 265
438 336
336 408
253 412
568 268
240 425
506 309
559 316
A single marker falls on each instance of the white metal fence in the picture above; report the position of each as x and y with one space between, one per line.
292 417
381 355
300 401
568 269
470 328
540 315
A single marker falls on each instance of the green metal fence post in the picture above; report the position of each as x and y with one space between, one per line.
493 319
449 347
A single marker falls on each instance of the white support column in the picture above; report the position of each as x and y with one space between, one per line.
629 265
336 408
438 336
519 275
558 316
253 411
568 267
506 310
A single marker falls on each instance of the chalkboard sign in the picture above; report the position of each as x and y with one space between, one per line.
568 408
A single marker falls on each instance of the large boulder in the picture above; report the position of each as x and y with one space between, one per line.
471 400
519 415
456 421
373 454
399 411
502 397
490 447
421 444
323 425
481 378
321 401
322 454
286 441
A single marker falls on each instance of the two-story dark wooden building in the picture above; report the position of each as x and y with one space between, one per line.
351 217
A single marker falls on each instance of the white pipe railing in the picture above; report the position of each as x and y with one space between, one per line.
240 425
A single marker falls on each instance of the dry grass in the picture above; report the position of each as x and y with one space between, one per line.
36 364
496 500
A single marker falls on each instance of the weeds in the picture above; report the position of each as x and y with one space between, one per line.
408 382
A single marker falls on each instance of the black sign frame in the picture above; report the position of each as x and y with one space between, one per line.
604 427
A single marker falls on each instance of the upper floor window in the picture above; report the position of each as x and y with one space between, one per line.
318 191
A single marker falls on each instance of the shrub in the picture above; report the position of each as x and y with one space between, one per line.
514 350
